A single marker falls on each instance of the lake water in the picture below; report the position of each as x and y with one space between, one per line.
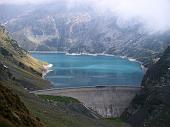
85 70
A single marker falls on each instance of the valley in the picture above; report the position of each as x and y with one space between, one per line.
84 63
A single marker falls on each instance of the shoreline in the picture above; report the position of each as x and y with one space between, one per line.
46 52
47 69
143 68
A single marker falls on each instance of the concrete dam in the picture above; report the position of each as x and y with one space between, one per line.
108 101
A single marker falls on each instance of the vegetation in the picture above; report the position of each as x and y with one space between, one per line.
25 69
60 99
118 122
13 111
151 107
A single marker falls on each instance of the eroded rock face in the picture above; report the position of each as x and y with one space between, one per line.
151 108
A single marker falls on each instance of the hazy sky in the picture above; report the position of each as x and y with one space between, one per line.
153 13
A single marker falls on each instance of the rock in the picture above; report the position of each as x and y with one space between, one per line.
151 108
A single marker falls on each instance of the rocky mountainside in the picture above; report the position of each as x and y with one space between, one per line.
81 29
151 108
14 61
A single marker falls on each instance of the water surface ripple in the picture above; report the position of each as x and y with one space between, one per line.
85 70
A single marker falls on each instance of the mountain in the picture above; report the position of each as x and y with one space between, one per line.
151 108
19 74
81 29
22 65
14 63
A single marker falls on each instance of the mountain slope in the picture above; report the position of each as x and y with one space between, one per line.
79 29
25 68
151 108
13 112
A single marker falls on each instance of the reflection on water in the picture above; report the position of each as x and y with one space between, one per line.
77 71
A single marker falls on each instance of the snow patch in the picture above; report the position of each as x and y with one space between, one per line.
88 54
133 60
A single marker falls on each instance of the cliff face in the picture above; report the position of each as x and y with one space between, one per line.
151 108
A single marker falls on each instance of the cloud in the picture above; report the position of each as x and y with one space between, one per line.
153 13
24 1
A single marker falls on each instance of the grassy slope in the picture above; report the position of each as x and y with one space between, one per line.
19 54
13 112
61 99
55 115
24 67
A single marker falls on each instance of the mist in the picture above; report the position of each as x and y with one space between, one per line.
154 14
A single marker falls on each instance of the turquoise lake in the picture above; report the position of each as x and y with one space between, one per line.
86 70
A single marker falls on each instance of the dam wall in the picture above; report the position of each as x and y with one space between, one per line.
108 101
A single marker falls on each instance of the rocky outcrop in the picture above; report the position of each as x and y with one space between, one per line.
4 72
151 108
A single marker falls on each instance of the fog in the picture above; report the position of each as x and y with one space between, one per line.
154 14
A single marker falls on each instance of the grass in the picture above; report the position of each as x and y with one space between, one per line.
117 121
34 81
61 99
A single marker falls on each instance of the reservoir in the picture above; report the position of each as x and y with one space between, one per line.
89 71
